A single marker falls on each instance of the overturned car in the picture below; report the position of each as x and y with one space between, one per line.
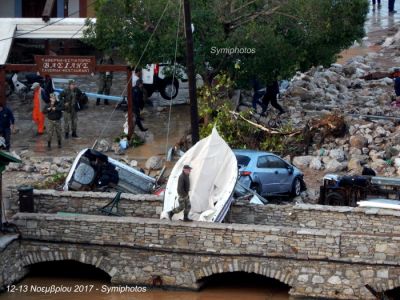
93 170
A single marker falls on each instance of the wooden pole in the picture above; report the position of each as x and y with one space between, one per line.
194 115
130 103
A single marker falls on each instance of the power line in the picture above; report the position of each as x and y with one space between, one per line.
140 58
48 24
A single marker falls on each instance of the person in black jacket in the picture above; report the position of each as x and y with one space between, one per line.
138 103
183 193
53 110
270 96
6 124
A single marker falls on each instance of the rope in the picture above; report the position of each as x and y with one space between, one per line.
173 78
130 78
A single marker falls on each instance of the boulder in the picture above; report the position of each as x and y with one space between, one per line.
358 141
103 146
355 165
302 161
316 164
337 154
154 163
335 166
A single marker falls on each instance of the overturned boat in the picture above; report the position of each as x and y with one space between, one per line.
84 174
212 180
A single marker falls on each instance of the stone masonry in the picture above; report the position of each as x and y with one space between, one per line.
319 251
317 263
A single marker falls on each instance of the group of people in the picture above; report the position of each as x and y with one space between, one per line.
47 104
267 95
390 5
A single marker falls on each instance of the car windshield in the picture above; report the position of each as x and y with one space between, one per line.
242 160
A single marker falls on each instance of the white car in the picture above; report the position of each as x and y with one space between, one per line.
159 77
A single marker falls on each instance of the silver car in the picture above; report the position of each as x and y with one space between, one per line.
268 174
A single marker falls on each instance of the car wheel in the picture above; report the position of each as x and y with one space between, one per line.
296 187
169 89
335 199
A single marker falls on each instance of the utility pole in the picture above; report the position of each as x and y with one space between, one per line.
194 115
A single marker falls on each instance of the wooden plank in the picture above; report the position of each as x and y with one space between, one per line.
82 8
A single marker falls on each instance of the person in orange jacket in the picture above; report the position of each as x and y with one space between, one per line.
38 105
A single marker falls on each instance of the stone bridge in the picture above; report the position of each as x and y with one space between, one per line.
318 251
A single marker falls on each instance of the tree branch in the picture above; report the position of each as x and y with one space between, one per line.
268 130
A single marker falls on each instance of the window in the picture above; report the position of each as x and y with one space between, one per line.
276 163
242 160
271 162
262 162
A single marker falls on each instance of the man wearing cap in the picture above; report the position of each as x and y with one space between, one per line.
38 106
183 192
70 99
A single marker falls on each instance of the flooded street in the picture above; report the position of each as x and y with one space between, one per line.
99 292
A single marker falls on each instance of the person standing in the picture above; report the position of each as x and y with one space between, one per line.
183 193
38 106
105 79
259 91
70 99
48 86
6 124
54 114
391 7
271 96
138 103
375 1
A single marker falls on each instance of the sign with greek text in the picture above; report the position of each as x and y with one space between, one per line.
74 65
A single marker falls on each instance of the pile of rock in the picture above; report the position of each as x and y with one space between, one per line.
45 167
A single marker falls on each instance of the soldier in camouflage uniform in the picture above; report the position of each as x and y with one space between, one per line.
70 99
53 110
105 79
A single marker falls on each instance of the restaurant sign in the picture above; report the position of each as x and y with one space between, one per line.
74 65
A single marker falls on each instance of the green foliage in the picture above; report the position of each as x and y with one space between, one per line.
136 141
286 35
215 109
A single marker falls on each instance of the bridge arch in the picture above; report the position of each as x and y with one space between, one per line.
36 257
266 270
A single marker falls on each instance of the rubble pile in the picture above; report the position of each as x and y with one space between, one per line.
44 166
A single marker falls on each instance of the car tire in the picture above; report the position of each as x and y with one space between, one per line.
335 199
166 86
296 187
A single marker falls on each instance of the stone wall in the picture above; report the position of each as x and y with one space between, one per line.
11 265
365 220
51 201
359 219
135 250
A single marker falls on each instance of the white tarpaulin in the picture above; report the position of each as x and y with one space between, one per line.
212 178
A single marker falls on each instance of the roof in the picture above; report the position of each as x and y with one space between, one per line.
5 159
36 28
